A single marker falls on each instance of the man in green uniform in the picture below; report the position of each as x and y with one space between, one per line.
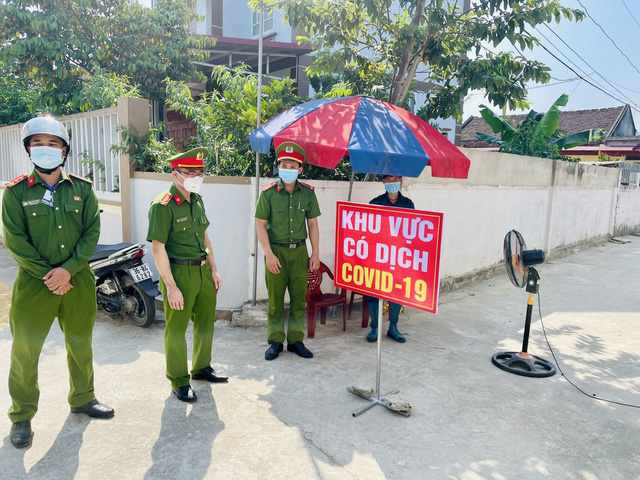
284 210
51 224
189 279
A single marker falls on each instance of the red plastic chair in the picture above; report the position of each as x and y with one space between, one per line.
316 300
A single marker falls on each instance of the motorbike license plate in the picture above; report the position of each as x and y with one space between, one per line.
140 273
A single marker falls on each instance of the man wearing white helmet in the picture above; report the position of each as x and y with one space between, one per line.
51 227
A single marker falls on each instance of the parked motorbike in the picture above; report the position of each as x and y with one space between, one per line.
124 284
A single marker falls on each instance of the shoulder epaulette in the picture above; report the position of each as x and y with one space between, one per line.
80 178
16 180
308 186
164 201
267 187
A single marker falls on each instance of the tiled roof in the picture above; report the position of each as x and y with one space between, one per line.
570 122
628 152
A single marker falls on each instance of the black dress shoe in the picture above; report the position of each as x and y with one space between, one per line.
94 409
272 352
299 349
185 394
21 434
207 375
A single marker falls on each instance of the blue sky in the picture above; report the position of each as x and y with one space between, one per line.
600 53
590 43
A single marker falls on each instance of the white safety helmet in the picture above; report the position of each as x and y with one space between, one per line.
47 125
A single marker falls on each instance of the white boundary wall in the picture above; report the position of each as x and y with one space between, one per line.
557 206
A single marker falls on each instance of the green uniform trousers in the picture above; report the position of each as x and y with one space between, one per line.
293 277
199 292
33 309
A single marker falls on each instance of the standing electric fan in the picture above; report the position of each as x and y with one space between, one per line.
519 261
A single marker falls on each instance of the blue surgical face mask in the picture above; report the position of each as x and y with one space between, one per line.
46 157
287 175
392 187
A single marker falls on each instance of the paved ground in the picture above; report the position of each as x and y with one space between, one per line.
291 418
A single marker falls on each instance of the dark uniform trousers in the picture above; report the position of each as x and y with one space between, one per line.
199 292
293 277
33 310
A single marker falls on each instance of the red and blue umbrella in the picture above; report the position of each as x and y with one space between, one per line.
376 136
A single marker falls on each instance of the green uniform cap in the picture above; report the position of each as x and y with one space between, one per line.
194 158
291 151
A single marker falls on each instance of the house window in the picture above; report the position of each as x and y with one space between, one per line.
268 22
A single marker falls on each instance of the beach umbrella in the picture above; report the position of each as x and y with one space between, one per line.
376 136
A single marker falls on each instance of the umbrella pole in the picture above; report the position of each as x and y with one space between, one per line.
258 122
377 399
353 174
255 237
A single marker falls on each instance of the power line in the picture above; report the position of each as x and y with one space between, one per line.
598 86
630 13
585 80
601 87
607 35
586 63
563 80
556 83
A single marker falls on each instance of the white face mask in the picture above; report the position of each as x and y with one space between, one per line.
192 184
46 157
392 187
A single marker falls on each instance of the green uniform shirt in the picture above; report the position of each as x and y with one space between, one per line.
41 237
285 212
178 224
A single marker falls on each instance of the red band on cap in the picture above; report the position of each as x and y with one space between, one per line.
191 162
284 155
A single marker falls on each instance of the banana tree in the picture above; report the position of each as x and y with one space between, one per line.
537 135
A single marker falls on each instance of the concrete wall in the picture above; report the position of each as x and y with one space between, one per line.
626 214
557 206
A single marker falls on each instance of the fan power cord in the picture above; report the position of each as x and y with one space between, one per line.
592 396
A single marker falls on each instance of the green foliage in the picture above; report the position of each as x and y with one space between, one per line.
91 163
373 46
103 89
146 153
537 135
603 157
58 44
226 117
18 97
529 139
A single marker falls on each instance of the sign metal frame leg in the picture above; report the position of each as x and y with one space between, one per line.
377 400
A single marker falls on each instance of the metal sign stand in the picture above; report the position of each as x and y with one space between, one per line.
377 400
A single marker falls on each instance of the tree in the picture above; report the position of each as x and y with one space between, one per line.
538 134
227 115
18 96
103 89
382 43
59 43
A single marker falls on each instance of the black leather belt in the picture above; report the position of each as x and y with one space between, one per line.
290 245
191 263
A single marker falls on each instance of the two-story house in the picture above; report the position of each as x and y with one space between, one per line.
235 26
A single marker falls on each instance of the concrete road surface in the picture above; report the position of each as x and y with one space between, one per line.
292 418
